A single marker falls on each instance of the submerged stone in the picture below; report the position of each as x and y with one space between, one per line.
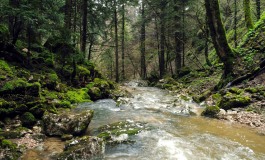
83 148
66 123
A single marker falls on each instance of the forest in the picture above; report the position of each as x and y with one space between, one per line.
120 79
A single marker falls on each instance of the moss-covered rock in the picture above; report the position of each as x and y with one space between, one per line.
66 123
230 100
7 108
83 148
78 95
20 87
28 119
9 150
211 111
112 132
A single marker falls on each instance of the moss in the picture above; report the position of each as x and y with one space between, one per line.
211 111
63 104
230 100
202 97
8 144
78 96
82 71
5 70
100 83
7 108
95 93
28 119
217 97
236 90
20 86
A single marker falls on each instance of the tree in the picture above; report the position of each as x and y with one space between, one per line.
177 35
235 23
248 17
258 8
163 5
218 35
116 42
84 26
123 41
142 43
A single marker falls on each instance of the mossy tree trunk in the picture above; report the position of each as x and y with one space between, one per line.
116 42
123 43
258 9
248 18
218 35
84 26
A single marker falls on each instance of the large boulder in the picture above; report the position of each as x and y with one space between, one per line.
83 148
66 123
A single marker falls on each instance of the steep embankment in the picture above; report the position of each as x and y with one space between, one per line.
37 83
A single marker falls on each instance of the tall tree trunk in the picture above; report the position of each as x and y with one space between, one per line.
67 14
218 35
75 20
183 33
162 39
235 24
248 18
142 45
15 23
177 36
116 42
206 48
84 25
123 42
258 8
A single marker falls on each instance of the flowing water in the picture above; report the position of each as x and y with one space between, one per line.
173 133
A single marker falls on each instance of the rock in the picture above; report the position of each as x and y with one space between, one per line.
28 119
66 137
66 123
211 111
83 148
230 100
221 114
120 131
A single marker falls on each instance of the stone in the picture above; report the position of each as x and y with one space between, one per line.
83 148
66 123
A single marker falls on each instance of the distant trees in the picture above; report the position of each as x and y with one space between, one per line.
248 17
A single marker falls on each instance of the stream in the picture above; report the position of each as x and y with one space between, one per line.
175 131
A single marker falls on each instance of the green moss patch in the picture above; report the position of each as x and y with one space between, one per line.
211 111
230 100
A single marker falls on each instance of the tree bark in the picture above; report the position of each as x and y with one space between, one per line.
206 49
67 14
84 26
258 9
218 35
142 45
177 36
123 42
248 18
183 33
235 24
116 43
162 39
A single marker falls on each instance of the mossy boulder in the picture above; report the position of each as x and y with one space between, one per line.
120 131
18 132
5 70
28 119
7 108
51 81
95 93
20 87
230 100
9 150
83 148
99 89
211 111
66 123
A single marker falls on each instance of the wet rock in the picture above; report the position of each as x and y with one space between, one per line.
66 137
83 148
66 123
120 131
211 111
9 150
